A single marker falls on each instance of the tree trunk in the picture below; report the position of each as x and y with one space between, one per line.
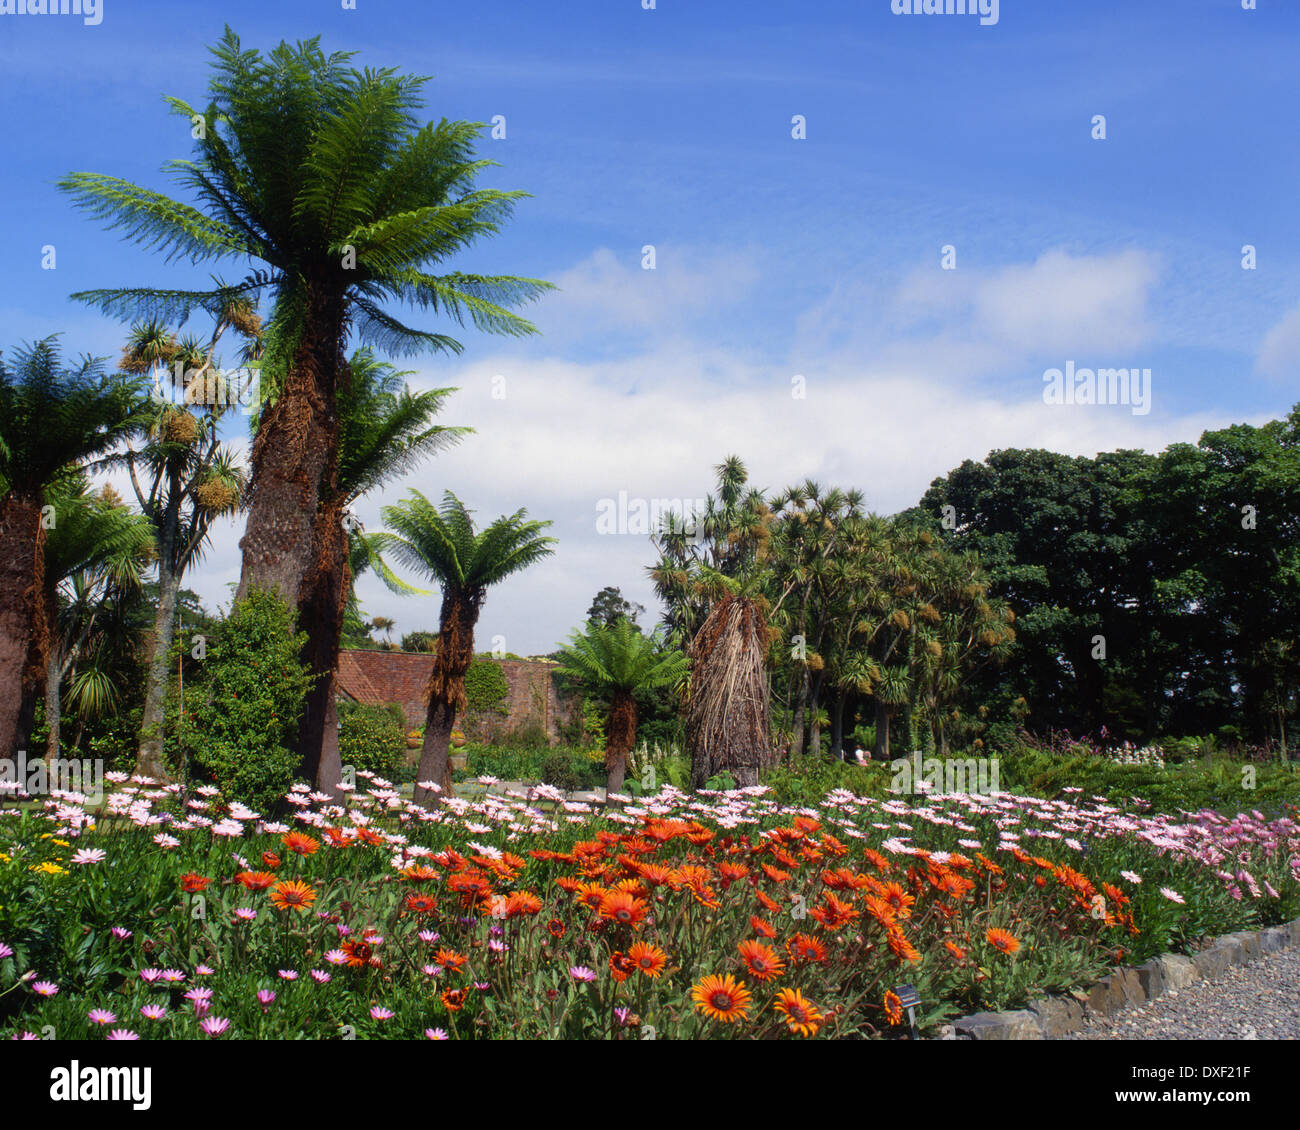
24 632
881 750
330 774
622 738
323 599
455 653
726 716
150 760
837 727
294 462
800 712
53 684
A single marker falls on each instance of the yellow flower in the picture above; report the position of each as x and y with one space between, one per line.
4 858
63 843
50 869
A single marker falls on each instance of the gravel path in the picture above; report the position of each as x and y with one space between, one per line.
1257 1001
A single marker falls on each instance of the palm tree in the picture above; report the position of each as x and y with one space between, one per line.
97 551
441 543
192 481
51 418
385 430
322 176
616 659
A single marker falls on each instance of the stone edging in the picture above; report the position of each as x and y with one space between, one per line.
1055 1016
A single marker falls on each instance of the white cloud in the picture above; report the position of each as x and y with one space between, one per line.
572 430
1279 352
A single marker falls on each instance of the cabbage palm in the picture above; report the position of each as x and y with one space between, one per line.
192 480
51 418
616 659
442 543
323 178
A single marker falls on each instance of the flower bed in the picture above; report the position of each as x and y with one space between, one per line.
172 916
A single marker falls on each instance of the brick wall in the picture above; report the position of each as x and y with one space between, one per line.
381 677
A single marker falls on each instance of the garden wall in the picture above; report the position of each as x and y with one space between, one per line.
529 698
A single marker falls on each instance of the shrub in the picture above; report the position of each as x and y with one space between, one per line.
372 738
559 769
241 731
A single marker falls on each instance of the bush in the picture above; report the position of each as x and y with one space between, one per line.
240 734
373 738
808 780
559 769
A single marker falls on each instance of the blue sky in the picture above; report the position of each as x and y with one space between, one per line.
776 258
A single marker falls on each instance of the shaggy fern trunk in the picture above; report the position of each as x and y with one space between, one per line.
726 718
24 631
446 693
294 461
323 599
621 740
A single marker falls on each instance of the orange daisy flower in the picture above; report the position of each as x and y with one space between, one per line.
590 895
418 873
761 961
619 906
955 950
299 844
620 966
256 880
835 913
901 946
722 998
803 1017
556 928
899 900
454 999
649 959
804 947
1001 940
293 894
270 859
192 883
761 928
450 958
893 1007
421 904
656 874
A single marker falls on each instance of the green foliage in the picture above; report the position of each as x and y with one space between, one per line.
1171 789
420 641
564 770
372 738
609 606
809 779
242 728
486 687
